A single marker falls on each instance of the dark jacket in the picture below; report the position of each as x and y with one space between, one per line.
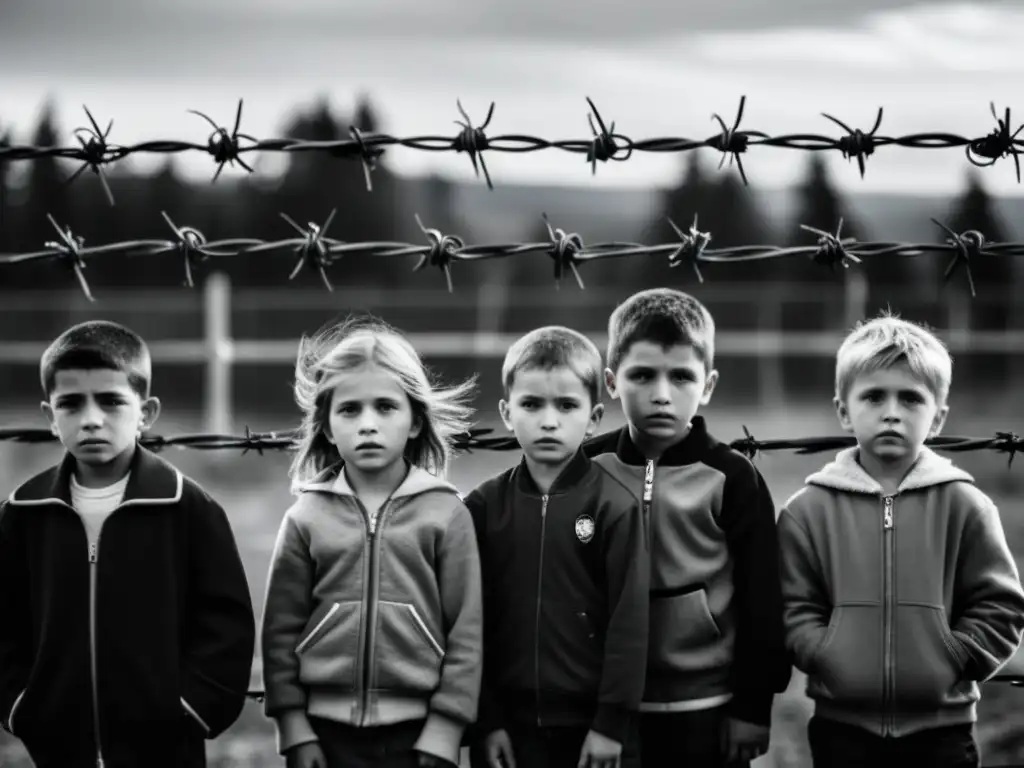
565 599
716 605
169 625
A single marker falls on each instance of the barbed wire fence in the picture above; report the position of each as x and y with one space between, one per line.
317 252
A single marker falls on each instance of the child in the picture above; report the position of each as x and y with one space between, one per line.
128 631
372 628
716 656
565 564
900 592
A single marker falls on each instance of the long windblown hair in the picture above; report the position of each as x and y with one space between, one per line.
338 348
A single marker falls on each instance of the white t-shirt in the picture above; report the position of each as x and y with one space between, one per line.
93 505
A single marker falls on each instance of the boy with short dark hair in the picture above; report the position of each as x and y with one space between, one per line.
128 630
716 657
564 558
900 592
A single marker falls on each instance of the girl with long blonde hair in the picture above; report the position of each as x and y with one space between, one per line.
372 627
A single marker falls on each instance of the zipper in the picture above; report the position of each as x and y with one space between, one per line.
94 552
888 564
540 578
648 487
371 586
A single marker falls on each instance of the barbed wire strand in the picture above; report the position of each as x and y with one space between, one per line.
317 252
226 147
482 438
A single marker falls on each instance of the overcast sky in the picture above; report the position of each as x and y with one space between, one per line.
660 69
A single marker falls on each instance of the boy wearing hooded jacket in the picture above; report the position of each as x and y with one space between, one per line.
900 592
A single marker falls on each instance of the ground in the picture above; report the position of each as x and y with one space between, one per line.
253 490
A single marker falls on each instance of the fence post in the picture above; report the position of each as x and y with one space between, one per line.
856 298
219 358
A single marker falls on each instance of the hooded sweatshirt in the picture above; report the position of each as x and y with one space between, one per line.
897 606
374 620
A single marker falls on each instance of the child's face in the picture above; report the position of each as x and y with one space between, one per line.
98 417
891 412
370 419
551 413
661 389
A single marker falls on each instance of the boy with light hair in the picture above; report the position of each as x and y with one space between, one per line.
900 592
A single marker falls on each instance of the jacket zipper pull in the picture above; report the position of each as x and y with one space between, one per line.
92 552
887 521
649 482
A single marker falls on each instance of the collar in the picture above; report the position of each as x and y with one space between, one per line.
151 480
571 474
690 450
844 473
417 480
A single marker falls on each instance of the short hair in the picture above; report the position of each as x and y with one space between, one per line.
663 316
98 344
555 346
887 340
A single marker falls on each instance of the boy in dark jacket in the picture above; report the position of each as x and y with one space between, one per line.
716 655
128 630
564 558
900 591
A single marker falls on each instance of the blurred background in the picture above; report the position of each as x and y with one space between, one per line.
310 69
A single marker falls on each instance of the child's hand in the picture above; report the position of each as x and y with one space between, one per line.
743 741
599 752
307 755
498 748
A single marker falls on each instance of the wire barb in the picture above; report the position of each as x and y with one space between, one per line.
313 251
473 141
367 156
603 146
732 142
565 250
224 146
443 248
832 248
967 247
691 248
998 144
856 143
69 250
190 244
94 152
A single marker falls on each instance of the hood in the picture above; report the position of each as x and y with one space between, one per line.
332 480
845 473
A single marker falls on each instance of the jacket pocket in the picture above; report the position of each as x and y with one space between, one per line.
407 655
847 667
928 670
684 636
329 646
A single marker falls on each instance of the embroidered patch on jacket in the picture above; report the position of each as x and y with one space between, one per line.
584 528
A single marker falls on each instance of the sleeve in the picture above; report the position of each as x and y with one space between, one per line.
761 666
453 705
491 716
286 610
806 605
989 619
221 635
628 574
14 629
